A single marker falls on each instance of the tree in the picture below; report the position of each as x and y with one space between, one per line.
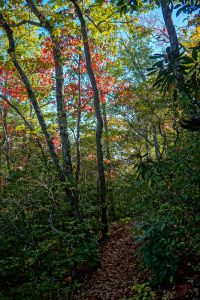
65 173
102 182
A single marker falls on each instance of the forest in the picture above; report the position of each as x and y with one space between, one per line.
99 149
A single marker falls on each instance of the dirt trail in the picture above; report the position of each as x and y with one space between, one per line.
118 272
121 270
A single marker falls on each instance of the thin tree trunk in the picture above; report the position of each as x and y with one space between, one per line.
78 152
2 140
30 93
107 143
62 122
146 142
61 112
109 165
156 143
6 138
99 129
69 193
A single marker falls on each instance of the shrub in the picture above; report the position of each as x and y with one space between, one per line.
158 244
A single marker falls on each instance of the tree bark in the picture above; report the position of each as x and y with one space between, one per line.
78 152
107 143
99 129
156 143
109 165
61 112
30 93
5 134
173 39
167 16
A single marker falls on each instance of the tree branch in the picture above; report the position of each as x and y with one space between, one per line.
30 93
26 22
27 124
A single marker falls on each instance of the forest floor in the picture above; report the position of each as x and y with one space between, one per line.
119 270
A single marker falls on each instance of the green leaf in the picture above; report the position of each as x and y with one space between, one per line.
152 72
187 60
155 56
157 82
175 94
179 11
194 54
177 6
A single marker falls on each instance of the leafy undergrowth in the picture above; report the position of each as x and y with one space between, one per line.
122 276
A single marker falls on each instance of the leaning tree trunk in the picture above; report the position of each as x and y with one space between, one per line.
167 16
61 112
99 129
41 120
174 44
174 52
30 92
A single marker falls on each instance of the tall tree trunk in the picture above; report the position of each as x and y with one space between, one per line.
107 143
109 165
33 99
61 112
174 44
78 126
30 93
167 16
3 138
174 52
99 129
62 122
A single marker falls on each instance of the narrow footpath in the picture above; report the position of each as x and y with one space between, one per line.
119 269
